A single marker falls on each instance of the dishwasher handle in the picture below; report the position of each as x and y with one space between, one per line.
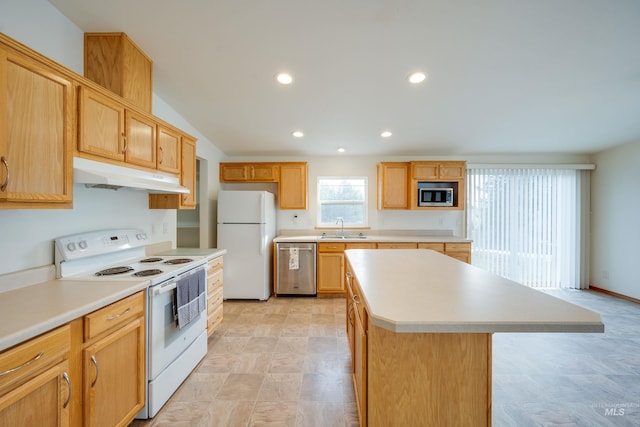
300 249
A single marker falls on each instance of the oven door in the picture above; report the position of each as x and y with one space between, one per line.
166 341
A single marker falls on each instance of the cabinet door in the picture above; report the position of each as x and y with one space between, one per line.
36 115
425 170
331 272
234 172
350 326
292 187
114 376
140 140
168 150
400 245
264 172
438 247
41 401
393 183
360 367
101 125
452 170
188 173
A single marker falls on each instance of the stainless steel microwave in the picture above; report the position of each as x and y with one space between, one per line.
435 196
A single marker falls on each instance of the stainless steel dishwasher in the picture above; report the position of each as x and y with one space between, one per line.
296 264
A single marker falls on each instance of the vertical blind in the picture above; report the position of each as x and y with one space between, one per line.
527 224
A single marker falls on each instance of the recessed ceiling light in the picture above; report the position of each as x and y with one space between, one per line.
417 77
386 134
284 78
297 133
340 150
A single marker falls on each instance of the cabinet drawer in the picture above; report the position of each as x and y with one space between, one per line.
361 245
113 315
397 245
216 264
22 361
214 281
214 300
439 247
457 247
331 247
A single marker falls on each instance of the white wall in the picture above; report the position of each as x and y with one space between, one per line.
615 220
26 236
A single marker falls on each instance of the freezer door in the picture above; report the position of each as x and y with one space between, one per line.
245 207
296 264
247 269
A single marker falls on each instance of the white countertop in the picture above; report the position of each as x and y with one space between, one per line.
372 238
32 310
208 253
410 290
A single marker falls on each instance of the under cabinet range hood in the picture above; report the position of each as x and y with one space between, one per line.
105 175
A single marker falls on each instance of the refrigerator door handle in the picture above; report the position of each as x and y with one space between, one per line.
263 238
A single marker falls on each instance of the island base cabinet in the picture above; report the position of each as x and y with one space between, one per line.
428 379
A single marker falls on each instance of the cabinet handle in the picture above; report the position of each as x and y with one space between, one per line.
350 314
161 154
119 315
66 378
6 179
356 299
348 276
95 363
17 368
124 138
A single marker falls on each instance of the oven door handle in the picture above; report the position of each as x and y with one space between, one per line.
163 289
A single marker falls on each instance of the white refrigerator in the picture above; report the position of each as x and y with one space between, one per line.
246 228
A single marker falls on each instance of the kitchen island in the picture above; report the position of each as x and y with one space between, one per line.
420 326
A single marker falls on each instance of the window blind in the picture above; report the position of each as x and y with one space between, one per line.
528 224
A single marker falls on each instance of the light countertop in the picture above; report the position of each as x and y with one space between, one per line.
32 310
410 290
400 238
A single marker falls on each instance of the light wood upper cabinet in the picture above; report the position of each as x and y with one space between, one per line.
100 125
438 170
168 150
393 185
140 142
188 175
115 62
36 133
249 172
292 186
187 179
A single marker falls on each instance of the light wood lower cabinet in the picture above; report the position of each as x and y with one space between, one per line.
416 379
459 251
114 363
215 280
399 245
330 267
35 381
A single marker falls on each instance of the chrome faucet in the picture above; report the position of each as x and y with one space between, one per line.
341 221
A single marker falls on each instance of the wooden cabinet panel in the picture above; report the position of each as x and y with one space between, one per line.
234 172
187 179
114 376
140 140
425 170
330 272
451 170
360 367
101 125
292 186
264 172
393 185
36 125
331 247
115 62
399 245
113 316
42 401
438 247
438 170
460 251
168 150
215 280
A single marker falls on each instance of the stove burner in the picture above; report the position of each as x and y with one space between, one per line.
144 273
114 270
153 259
178 261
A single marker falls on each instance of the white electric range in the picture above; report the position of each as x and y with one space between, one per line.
116 255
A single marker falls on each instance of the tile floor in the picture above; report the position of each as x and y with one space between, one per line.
285 362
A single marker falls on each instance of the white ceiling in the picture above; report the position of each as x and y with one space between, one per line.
505 76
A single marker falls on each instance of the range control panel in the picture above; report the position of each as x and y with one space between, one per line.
98 242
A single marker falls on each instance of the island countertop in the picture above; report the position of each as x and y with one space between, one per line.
409 290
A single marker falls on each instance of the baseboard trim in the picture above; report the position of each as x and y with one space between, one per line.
615 294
